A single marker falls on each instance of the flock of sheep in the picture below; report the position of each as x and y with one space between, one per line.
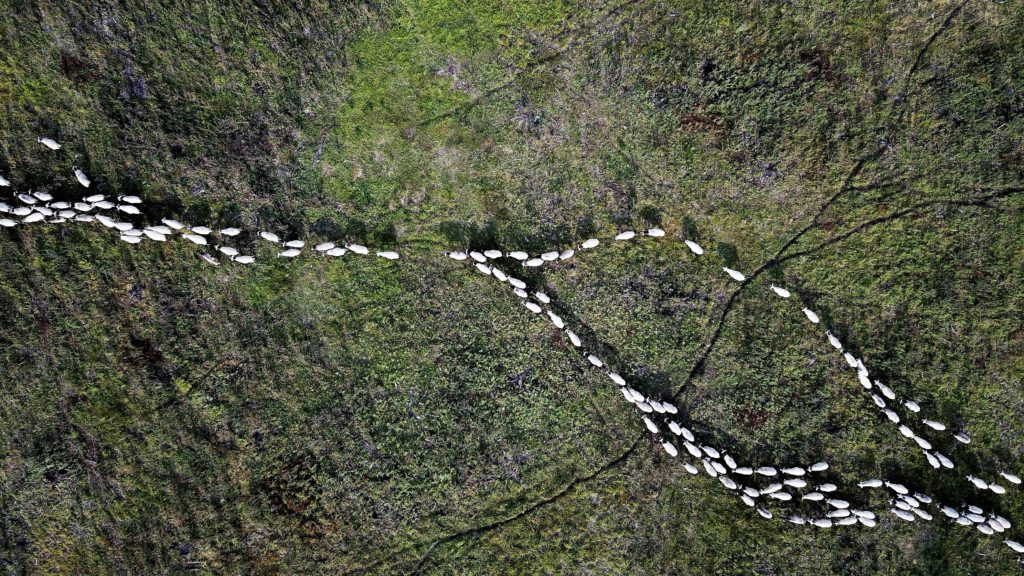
797 493
41 208
811 501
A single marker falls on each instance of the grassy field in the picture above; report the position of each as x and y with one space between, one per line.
357 416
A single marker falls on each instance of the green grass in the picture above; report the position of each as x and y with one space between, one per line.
161 416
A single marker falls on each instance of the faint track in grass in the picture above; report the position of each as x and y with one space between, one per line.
979 201
576 40
708 348
846 187
622 457
428 547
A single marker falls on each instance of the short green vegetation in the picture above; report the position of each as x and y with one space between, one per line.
160 416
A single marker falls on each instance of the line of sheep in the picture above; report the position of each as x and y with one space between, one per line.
757 487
